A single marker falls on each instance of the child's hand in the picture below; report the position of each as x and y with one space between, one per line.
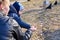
33 28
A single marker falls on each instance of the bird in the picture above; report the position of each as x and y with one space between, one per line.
28 0
55 3
49 7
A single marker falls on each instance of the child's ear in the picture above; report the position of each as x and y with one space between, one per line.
0 6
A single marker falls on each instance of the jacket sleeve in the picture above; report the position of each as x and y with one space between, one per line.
20 22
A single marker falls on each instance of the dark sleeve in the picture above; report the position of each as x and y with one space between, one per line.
28 34
20 22
5 28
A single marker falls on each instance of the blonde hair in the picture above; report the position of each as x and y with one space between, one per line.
3 5
5 2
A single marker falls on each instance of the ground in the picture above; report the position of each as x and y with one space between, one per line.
43 20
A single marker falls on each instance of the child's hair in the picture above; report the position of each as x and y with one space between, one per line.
4 3
1 3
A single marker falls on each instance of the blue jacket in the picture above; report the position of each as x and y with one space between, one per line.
4 28
16 16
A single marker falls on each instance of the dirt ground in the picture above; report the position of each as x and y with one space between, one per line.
46 20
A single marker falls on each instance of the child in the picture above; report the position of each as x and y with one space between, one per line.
5 27
16 15
14 12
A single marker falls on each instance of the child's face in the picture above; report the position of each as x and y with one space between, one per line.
20 12
6 5
6 9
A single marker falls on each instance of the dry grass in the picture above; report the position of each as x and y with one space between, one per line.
32 18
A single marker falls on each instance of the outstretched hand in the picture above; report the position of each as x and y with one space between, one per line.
33 28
